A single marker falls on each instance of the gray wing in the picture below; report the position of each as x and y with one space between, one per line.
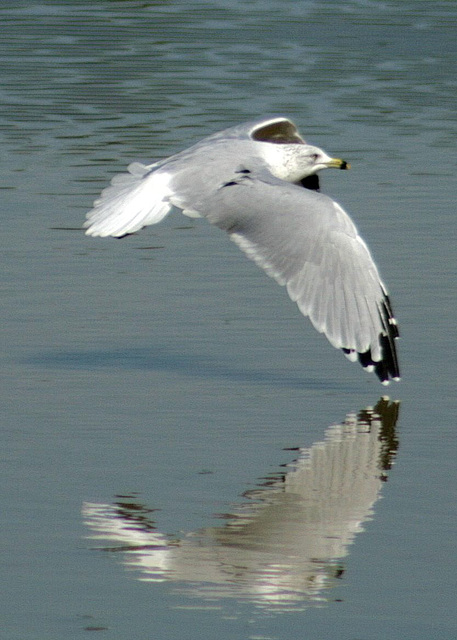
305 241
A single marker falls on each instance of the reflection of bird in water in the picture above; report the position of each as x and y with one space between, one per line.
258 182
285 545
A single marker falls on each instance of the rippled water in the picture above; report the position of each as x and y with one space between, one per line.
151 384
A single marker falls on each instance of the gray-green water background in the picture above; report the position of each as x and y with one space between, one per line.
166 365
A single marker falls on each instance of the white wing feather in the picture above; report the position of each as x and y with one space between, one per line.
308 243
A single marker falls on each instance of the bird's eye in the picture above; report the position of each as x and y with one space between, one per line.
314 157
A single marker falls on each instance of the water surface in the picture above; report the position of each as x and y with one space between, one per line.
167 373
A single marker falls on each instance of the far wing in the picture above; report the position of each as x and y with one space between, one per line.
305 241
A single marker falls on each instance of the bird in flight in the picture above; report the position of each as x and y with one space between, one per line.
259 182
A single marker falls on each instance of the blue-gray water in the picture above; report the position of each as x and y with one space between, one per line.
149 384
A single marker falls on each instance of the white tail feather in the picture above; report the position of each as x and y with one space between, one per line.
132 201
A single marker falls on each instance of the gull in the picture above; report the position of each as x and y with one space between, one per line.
258 182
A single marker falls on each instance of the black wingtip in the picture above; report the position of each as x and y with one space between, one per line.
387 368
311 182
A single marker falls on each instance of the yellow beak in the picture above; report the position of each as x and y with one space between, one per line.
337 163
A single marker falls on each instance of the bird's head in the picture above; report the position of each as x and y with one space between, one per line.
287 155
294 162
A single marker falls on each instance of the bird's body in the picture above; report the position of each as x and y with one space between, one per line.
258 182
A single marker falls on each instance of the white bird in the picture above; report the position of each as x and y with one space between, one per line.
258 182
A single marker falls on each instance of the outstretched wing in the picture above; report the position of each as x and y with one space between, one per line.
305 241
133 200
